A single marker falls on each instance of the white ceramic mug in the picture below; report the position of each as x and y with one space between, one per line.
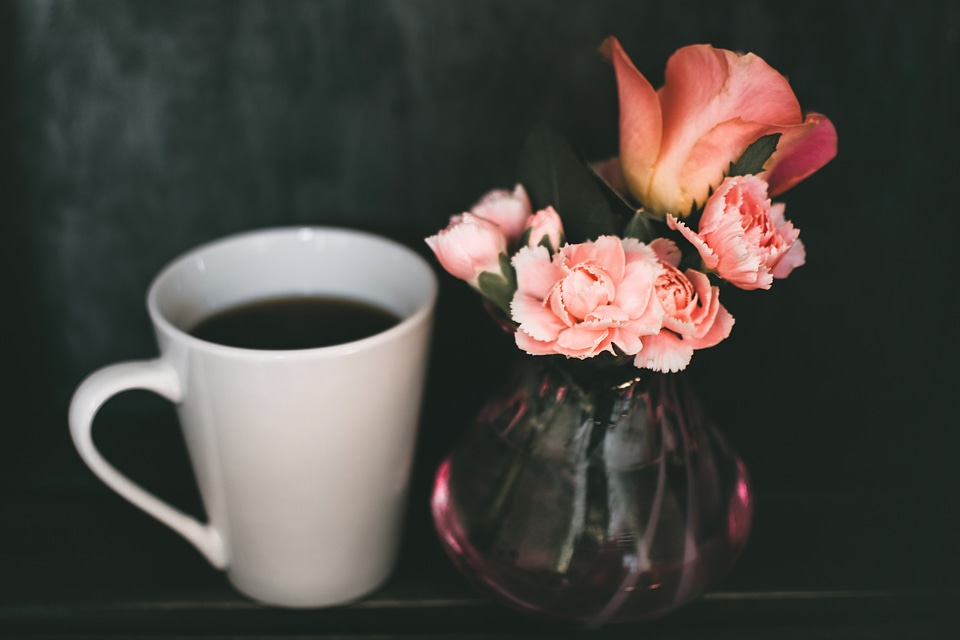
302 457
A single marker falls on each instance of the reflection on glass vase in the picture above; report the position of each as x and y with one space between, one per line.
592 499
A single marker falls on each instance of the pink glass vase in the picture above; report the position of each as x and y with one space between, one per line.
596 502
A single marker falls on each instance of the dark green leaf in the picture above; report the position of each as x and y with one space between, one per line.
554 176
525 237
696 212
496 290
508 272
751 161
690 260
618 197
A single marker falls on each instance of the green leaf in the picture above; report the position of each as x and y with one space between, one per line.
508 272
640 228
690 259
553 175
752 159
525 237
617 196
499 287
496 289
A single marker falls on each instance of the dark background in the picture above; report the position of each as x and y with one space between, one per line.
133 131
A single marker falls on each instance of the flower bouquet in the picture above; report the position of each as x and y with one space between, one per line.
593 488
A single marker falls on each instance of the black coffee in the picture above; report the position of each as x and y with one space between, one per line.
296 322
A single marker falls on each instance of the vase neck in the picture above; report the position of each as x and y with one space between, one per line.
605 377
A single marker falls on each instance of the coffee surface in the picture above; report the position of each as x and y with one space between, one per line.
295 322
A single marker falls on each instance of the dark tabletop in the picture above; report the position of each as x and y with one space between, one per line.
77 560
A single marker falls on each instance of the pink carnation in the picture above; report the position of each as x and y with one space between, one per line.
742 237
507 210
693 316
545 225
586 299
469 246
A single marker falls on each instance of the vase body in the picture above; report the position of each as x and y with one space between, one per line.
594 503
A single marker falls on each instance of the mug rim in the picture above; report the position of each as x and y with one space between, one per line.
162 323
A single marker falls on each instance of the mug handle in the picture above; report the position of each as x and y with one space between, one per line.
161 378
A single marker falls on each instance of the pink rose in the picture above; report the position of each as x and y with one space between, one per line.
676 143
545 225
469 246
742 237
586 299
509 211
693 316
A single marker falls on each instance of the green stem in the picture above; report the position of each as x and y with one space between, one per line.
578 518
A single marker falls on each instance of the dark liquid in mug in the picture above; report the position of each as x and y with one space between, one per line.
296 322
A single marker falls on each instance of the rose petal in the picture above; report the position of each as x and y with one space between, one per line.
641 119
800 155
704 86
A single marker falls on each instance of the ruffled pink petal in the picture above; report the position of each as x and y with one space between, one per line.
468 246
779 220
508 210
558 307
667 251
581 342
719 329
535 319
664 352
605 316
652 318
636 251
536 272
609 256
635 292
710 259
739 265
584 291
575 255
800 155
795 256
713 321
705 312
627 341
680 325
531 345
740 261
545 225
